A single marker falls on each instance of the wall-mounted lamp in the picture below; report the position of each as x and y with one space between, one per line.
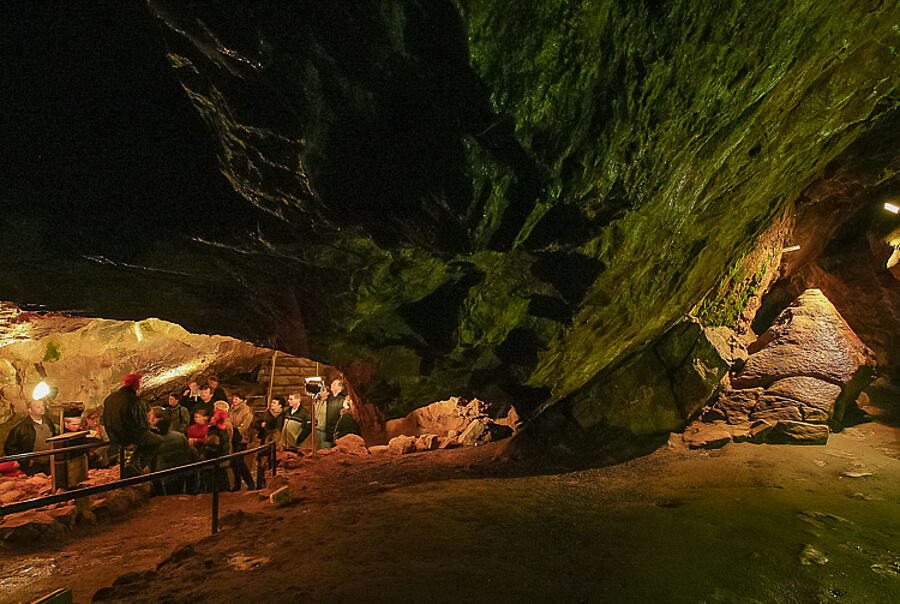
792 248
40 391
892 208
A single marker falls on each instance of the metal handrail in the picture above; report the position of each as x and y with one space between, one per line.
215 462
49 452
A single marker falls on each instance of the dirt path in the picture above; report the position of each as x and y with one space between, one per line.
675 526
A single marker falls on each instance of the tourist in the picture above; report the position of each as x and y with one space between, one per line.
218 393
328 412
196 432
217 444
191 396
270 427
173 451
242 419
31 435
178 414
71 421
156 414
128 424
297 423
206 401
10 469
101 457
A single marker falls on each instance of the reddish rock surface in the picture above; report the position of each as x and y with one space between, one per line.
808 339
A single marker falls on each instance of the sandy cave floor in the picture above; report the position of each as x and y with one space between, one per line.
673 526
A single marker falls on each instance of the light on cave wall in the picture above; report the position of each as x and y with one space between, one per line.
792 248
40 391
892 208
137 332
152 380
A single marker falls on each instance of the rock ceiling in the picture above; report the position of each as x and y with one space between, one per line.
458 198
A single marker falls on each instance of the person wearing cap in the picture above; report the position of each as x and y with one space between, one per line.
128 425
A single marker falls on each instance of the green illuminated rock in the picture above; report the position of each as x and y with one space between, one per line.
512 200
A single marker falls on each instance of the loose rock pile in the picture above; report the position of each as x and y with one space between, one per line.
797 382
53 521
455 422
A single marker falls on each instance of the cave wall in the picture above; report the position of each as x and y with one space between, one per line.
484 198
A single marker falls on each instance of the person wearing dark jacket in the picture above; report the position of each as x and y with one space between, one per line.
173 451
218 393
297 423
29 435
127 422
179 415
328 412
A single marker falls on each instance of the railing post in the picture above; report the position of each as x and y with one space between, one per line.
215 498
273 458
260 473
121 462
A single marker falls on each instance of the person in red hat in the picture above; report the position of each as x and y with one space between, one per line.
127 423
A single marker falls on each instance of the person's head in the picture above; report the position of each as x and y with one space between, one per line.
72 424
220 406
163 425
213 381
200 417
91 419
36 409
277 405
238 398
194 387
294 401
337 386
206 393
173 399
219 418
133 381
156 414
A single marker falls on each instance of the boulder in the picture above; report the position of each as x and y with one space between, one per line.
736 405
428 442
379 449
281 496
29 526
760 430
808 339
795 432
351 444
400 445
476 433
707 436
807 390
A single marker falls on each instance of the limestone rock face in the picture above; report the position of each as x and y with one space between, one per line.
659 389
471 197
85 358
809 339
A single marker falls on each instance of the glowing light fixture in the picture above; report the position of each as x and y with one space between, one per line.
40 391
892 208
792 248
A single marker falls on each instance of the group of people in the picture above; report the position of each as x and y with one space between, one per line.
199 423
